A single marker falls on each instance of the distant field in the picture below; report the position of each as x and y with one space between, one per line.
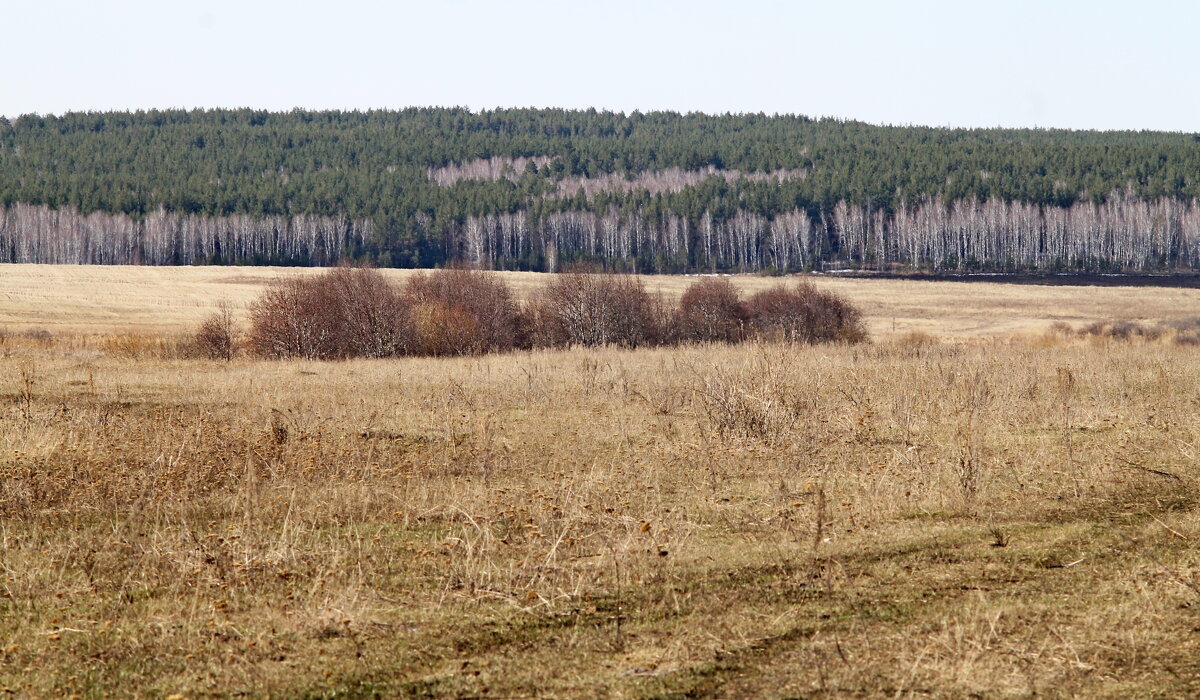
119 299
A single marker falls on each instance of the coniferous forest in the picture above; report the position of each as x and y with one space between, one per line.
544 188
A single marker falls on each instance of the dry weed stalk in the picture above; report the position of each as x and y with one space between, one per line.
976 400
26 382
1066 392
756 400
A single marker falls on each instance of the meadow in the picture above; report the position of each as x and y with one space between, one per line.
976 503
113 300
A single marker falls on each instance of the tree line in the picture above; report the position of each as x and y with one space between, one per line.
532 189
1121 233
39 234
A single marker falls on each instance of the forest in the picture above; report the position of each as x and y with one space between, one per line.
545 189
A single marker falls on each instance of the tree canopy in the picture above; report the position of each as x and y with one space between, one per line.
413 178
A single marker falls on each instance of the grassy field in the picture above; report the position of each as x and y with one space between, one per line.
1008 514
123 299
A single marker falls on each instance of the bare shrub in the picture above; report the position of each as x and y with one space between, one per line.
215 337
373 314
1190 323
757 400
349 312
290 319
805 314
346 312
39 334
597 309
441 329
479 304
711 311
1185 331
1187 338
1130 330
1061 328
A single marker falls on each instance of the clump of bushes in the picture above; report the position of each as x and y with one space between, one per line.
215 338
803 313
39 334
1123 330
711 310
353 312
1183 331
346 312
596 309
1187 330
463 312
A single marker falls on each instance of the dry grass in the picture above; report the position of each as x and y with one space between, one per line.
914 517
68 299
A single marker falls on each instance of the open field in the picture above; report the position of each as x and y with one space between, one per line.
1010 516
121 299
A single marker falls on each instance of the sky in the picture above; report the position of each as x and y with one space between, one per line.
1066 64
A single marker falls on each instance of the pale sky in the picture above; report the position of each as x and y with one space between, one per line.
1098 64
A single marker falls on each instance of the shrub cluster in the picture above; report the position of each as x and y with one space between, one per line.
1182 331
216 336
346 312
463 312
354 312
597 309
712 311
803 313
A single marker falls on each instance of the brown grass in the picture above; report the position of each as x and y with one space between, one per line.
73 299
911 517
